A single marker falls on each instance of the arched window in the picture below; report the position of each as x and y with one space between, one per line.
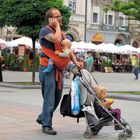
70 37
135 44
118 42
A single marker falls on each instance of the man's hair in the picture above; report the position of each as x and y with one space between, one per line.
49 13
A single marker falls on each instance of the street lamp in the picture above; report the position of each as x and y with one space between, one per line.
85 32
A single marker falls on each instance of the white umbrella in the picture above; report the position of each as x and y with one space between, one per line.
92 47
3 43
79 46
138 50
129 49
23 41
102 47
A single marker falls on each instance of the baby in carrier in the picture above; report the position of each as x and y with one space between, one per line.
66 44
101 93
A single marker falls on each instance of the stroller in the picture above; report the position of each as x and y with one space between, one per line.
87 100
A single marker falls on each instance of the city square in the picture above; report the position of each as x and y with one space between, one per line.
43 43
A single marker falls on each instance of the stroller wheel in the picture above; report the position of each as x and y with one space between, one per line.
87 134
129 133
95 132
122 136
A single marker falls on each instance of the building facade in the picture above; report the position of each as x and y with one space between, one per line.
88 19
8 33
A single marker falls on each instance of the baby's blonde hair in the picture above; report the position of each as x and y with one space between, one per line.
66 42
98 90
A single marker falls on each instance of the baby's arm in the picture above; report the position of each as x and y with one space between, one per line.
62 54
107 104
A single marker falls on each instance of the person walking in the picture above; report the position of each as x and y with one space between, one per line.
89 61
135 65
50 38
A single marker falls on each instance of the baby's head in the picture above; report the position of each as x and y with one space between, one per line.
66 43
100 92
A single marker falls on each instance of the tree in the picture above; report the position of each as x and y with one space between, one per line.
131 8
29 15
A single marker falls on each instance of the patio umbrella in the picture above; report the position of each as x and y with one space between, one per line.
3 43
23 41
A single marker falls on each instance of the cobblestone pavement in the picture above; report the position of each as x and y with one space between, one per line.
20 107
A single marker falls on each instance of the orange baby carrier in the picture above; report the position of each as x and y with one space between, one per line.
59 62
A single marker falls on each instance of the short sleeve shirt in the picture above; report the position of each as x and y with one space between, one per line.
43 32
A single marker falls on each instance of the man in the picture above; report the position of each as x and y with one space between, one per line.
50 38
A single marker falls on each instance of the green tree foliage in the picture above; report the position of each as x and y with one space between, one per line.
130 8
29 15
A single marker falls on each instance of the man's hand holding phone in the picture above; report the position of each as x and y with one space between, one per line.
53 22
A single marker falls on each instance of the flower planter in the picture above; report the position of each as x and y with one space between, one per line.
108 69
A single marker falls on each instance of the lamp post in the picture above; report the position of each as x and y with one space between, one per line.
1 78
85 32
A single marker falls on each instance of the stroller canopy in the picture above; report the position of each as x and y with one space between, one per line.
86 83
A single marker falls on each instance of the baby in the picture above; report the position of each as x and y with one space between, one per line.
67 48
101 93
66 44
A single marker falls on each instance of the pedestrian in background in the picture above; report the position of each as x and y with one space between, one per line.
135 65
89 61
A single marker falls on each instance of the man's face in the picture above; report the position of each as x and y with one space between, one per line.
57 15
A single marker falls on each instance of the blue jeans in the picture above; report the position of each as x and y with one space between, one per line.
51 96
136 72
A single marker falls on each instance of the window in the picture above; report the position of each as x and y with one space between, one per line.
72 5
121 20
105 19
95 17
110 19
70 37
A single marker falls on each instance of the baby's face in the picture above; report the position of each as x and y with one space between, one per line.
103 95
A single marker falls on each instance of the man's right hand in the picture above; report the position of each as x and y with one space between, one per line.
80 65
53 22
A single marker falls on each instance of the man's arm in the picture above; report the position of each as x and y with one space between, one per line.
74 60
